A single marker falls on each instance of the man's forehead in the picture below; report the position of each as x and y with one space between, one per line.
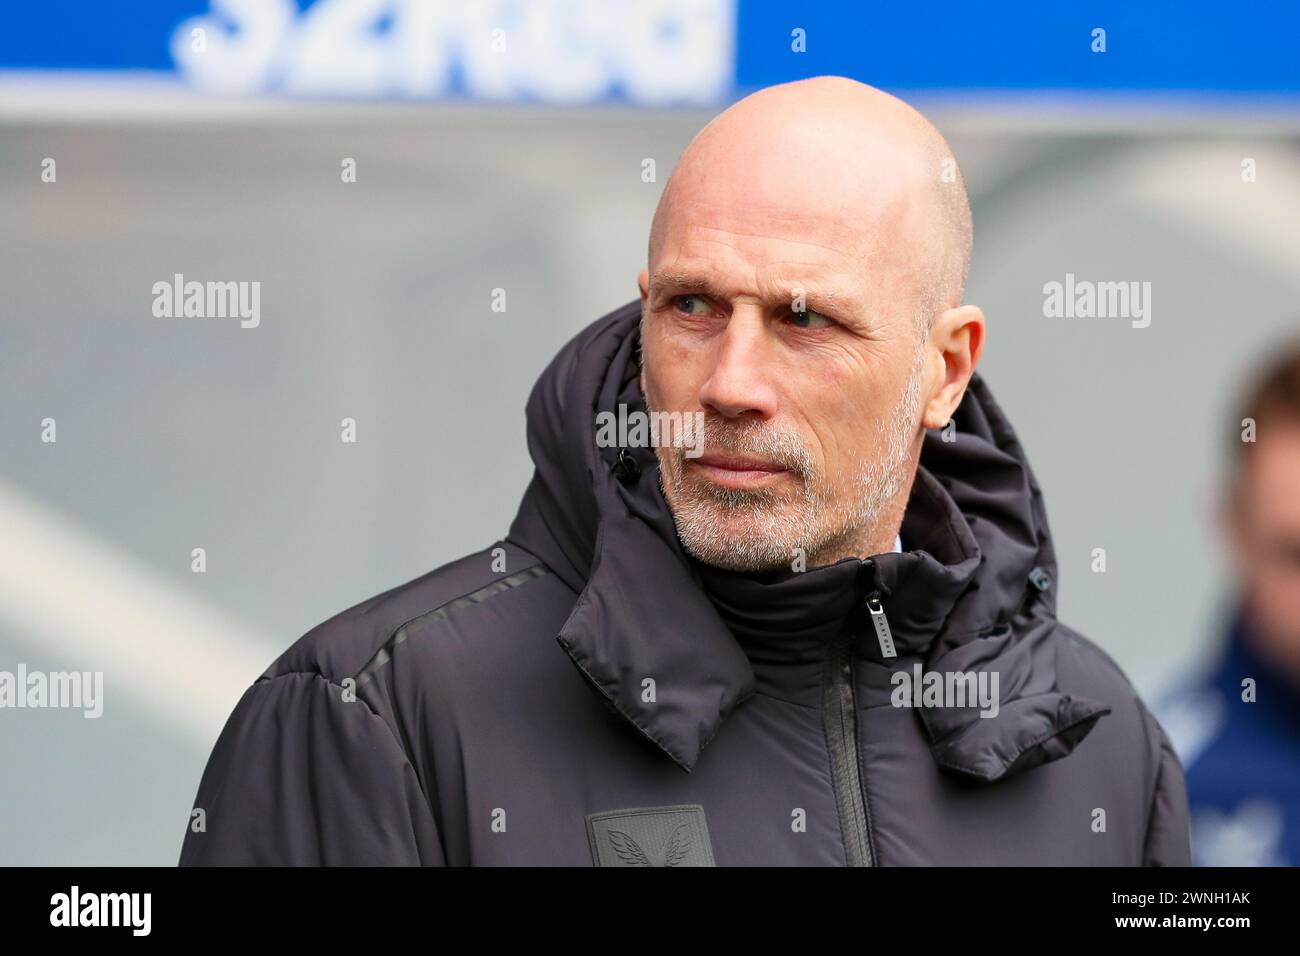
845 201
784 246
840 214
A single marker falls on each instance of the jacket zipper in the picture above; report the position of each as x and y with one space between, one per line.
840 721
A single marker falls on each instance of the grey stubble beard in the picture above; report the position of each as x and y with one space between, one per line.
760 530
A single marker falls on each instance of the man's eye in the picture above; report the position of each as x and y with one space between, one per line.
691 304
809 320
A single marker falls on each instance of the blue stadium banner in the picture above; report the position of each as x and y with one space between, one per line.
656 52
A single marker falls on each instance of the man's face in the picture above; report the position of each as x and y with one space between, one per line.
810 414
1266 531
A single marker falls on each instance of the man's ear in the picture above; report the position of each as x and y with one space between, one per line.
643 283
956 341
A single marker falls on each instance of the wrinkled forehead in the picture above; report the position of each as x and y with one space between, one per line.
776 240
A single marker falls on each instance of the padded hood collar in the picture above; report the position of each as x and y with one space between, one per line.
973 591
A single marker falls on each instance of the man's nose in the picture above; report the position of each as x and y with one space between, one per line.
740 382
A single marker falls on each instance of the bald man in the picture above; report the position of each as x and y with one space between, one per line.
781 590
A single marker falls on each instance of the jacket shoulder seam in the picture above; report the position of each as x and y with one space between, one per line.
272 678
402 632
305 672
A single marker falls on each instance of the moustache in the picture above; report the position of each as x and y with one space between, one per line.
753 439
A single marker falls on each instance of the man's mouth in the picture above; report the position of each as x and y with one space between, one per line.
736 471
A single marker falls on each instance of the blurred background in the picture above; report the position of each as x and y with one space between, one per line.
501 145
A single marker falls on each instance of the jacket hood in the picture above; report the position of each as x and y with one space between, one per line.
973 591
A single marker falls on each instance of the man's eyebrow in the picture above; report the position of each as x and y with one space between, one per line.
662 283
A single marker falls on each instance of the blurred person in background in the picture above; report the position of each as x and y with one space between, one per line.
1237 729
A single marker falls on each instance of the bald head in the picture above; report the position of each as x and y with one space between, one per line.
804 295
843 164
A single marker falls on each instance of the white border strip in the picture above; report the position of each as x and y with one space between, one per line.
117 97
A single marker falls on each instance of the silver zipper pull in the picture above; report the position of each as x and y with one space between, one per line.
882 626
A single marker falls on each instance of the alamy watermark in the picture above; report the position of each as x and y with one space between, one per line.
1085 299
922 688
76 908
638 429
73 690
179 299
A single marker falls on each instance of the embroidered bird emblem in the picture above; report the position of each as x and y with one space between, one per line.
631 853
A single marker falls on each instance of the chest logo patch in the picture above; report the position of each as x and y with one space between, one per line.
651 836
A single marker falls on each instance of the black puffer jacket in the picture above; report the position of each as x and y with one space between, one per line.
584 693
